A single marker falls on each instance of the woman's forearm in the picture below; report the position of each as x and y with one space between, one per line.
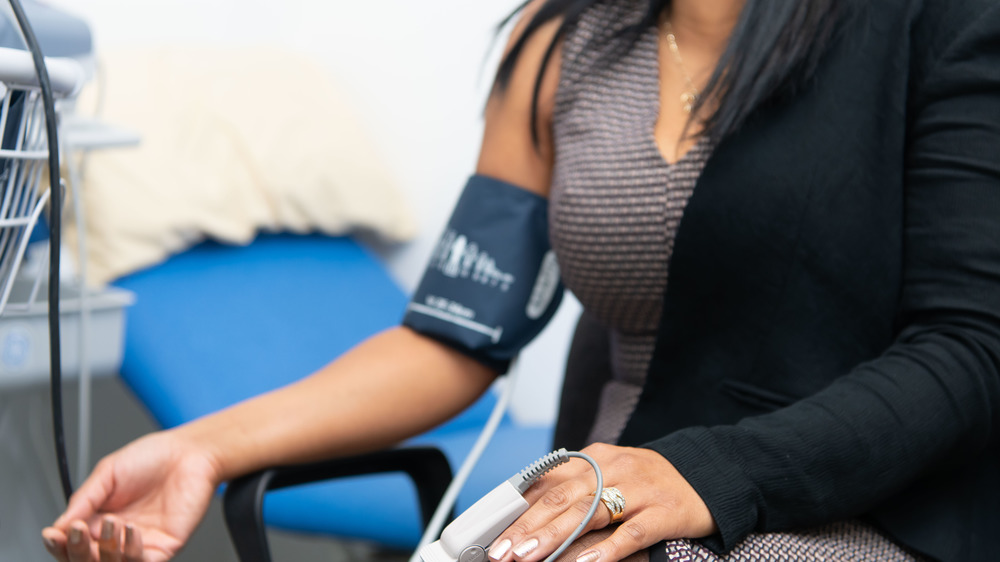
393 386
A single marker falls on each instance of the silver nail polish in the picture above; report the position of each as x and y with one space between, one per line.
590 556
107 530
501 548
526 547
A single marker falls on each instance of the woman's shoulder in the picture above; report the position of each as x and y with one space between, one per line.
924 33
943 32
936 24
517 145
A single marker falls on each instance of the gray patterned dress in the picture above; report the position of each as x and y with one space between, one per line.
615 207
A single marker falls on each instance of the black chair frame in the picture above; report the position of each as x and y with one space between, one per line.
244 498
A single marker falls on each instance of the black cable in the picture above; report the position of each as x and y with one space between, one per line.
55 234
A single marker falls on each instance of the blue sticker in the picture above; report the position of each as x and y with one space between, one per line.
16 348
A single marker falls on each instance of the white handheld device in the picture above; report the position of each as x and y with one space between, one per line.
469 536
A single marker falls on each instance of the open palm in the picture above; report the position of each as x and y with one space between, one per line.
158 485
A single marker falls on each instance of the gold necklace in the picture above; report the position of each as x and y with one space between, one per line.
690 96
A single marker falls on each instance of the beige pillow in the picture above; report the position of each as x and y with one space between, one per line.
233 141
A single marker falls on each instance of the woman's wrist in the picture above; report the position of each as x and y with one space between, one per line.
195 438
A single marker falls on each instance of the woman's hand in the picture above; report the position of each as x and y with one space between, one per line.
141 503
660 505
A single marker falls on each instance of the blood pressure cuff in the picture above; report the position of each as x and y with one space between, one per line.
492 282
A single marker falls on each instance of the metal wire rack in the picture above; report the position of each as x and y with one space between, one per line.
23 158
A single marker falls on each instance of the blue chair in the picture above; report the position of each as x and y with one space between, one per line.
218 324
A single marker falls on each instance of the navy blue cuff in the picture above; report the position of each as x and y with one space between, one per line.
492 282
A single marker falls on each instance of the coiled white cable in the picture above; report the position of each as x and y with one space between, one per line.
537 469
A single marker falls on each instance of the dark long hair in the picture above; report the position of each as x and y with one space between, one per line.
774 49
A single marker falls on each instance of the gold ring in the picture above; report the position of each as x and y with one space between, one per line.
613 499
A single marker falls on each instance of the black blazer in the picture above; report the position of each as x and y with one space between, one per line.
830 341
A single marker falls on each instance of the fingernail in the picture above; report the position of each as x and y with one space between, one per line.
500 549
107 530
50 545
75 535
591 556
526 547
129 534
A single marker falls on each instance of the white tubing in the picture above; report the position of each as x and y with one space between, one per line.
83 344
451 495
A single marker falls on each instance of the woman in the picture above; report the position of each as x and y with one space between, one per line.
817 376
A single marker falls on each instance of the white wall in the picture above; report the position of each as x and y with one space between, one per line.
418 72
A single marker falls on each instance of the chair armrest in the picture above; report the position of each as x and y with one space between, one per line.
244 497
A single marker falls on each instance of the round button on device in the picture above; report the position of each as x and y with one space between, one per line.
473 554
